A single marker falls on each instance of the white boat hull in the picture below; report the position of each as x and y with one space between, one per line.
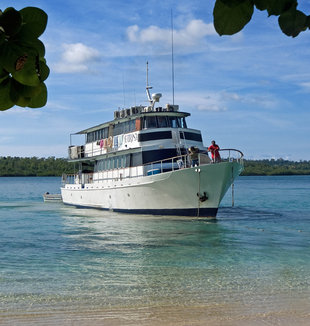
194 191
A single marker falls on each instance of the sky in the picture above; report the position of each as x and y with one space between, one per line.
249 91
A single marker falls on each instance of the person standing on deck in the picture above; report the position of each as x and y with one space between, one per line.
193 154
214 149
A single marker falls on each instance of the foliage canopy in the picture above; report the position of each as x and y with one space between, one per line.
230 16
23 68
34 166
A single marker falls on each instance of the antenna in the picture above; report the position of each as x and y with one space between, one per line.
147 74
147 83
124 89
172 57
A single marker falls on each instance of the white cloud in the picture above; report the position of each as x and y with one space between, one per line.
305 86
59 150
77 57
202 101
223 100
266 101
191 35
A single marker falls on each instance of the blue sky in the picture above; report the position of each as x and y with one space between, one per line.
250 91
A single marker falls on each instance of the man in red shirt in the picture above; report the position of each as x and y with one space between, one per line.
214 149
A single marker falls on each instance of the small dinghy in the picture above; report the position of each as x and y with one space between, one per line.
51 197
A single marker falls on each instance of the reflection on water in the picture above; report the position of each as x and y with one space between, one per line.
249 262
134 260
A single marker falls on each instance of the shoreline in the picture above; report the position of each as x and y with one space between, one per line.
55 167
223 315
241 175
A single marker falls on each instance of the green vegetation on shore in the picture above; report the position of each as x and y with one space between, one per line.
275 167
51 166
34 166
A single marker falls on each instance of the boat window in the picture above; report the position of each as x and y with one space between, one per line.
183 123
132 125
124 127
97 135
118 163
118 129
136 159
129 126
150 122
162 121
174 122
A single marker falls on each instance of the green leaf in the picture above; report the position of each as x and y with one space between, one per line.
22 101
5 99
26 91
230 20
34 22
22 64
261 4
34 45
11 21
28 75
308 22
277 7
3 75
39 47
2 36
39 100
232 3
15 96
292 22
10 52
44 71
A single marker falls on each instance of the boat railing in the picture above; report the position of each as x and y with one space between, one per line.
156 167
184 161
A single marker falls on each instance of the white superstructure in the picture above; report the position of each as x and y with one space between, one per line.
138 163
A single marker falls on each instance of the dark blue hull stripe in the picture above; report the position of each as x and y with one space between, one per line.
203 212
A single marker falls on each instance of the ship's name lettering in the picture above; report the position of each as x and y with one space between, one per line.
131 138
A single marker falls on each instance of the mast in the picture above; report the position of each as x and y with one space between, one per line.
147 83
172 57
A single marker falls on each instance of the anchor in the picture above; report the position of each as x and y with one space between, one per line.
203 197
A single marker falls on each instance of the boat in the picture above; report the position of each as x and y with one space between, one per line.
139 163
47 197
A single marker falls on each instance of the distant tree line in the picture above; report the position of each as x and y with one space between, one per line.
51 166
275 167
34 166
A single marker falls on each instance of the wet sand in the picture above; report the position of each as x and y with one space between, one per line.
168 316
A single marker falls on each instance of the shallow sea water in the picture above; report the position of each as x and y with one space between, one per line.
65 266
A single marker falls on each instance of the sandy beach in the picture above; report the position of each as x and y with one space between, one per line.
225 315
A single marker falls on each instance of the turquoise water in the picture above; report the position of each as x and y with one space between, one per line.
254 259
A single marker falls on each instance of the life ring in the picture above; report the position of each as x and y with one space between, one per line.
110 141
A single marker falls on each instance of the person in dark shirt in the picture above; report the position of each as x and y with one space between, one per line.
193 154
